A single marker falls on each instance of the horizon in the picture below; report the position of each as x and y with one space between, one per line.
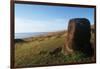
43 18
42 32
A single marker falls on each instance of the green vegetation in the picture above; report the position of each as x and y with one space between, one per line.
44 50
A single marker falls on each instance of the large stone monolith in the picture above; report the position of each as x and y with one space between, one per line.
78 37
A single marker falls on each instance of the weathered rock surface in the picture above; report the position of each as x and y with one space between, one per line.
78 37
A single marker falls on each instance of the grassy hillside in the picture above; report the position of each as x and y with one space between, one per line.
43 50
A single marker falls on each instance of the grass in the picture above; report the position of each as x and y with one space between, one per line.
41 51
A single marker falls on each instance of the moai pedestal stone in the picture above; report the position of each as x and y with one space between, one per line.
78 37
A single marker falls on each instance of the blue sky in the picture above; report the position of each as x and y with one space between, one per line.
42 18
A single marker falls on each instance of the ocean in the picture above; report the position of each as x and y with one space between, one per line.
27 35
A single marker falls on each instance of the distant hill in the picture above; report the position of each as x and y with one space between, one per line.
93 28
51 34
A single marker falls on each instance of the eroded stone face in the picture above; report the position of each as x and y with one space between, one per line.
78 36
